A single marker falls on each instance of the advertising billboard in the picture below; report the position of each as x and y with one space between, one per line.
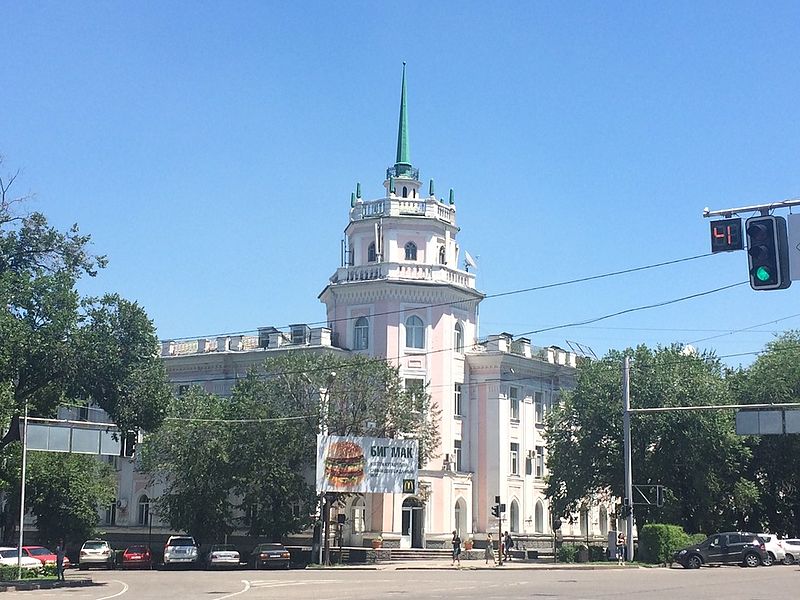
366 464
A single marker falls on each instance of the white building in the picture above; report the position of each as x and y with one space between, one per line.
401 295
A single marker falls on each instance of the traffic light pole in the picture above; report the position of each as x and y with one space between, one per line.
500 540
626 424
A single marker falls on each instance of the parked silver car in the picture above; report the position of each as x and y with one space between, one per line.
180 550
791 548
96 552
774 548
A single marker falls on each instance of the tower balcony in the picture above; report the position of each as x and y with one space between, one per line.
403 170
404 207
404 272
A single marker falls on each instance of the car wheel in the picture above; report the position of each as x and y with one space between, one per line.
752 560
769 559
788 559
694 562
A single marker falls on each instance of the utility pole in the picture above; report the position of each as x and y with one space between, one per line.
626 425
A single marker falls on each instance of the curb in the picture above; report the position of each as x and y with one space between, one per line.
27 585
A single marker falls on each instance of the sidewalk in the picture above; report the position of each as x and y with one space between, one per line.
474 565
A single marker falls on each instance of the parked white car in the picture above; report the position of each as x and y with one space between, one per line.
774 548
792 549
10 557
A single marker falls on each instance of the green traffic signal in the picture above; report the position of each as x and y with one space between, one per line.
762 274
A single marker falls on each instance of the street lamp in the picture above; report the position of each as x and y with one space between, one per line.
325 409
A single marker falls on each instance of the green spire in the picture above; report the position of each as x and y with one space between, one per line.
403 164
358 189
352 199
430 189
452 196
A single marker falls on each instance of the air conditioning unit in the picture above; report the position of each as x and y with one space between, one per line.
122 504
531 454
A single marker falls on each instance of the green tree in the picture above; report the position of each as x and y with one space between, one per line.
190 456
57 348
695 454
258 453
774 377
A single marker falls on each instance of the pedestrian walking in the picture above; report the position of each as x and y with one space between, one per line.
621 543
508 545
456 549
489 551
60 552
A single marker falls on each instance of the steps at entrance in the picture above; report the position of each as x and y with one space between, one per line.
419 553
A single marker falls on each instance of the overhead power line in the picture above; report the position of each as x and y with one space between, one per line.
487 297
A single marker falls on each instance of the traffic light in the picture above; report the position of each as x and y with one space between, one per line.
496 511
767 253
557 523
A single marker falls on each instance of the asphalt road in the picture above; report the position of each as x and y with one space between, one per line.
734 583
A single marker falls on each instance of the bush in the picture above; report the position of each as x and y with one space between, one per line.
9 573
597 554
658 542
567 554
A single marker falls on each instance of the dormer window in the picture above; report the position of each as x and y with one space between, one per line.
411 251
371 255
405 192
442 259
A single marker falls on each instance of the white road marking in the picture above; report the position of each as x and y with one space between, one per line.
246 587
124 589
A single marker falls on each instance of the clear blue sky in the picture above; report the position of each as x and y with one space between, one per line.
211 148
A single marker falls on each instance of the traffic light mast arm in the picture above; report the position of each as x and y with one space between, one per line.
763 208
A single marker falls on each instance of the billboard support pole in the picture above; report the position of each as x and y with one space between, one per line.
327 527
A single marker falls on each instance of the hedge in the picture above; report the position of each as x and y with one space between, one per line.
567 553
658 542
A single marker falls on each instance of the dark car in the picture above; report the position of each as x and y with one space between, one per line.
270 555
137 557
729 548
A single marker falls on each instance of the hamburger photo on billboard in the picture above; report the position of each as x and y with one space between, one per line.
344 464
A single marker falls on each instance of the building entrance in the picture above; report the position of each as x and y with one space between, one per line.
412 527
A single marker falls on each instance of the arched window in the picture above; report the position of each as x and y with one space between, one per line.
415 332
405 192
538 517
458 339
371 255
361 334
442 258
358 515
460 517
144 510
411 251
514 516
603 520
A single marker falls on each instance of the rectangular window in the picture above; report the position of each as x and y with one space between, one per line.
457 455
359 519
538 407
539 462
529 465
457 400
513 398
514 459
110 516
416 389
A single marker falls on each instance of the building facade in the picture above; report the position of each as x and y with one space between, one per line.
399 294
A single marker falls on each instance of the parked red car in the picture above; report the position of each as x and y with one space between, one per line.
137 557
45 555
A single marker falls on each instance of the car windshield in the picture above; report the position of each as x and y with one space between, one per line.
137 549
39 551
265 547
12 553
182 541
223 548
95 545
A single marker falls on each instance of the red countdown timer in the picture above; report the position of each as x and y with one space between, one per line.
726 235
